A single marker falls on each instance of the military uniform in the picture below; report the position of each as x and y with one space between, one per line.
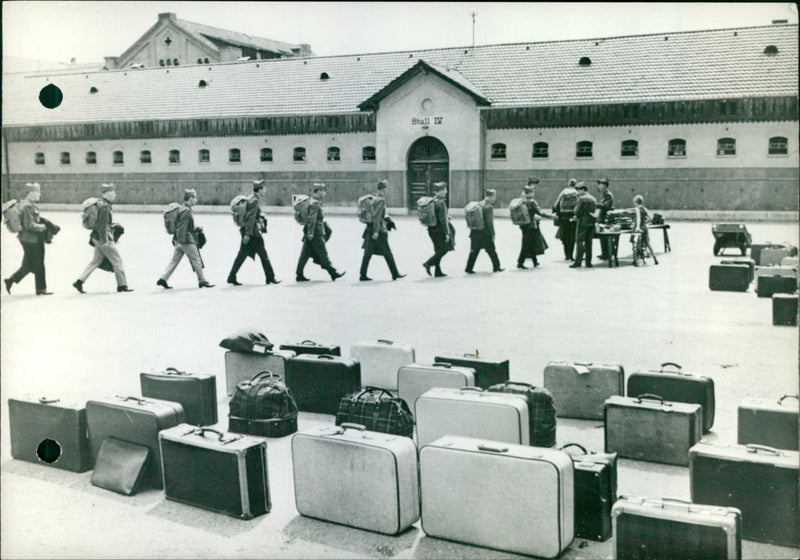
604 205
379 246
533 242
565 214
483 239
185 243
254 221
314 235
31 237
438 235
584 216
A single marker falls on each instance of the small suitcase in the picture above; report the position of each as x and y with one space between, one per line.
772 255
766 286
380 361
319 381
595 492
756 248
242 367
729 277
773 270
472 412
311 347
50 433
120 466
751 264
675 385
354 477
497 495
581 389
770 422
197 393
487 372
414 379
648 428
784 309
541 411
666 529
134 420
760 481
222 472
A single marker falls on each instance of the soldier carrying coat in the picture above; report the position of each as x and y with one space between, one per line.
376 236
315 233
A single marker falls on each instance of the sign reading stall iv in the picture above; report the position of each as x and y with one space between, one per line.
426 120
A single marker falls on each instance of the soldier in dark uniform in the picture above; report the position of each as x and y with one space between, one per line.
376 236
185 243
584 216
314 236
255 225
564 208
533 243
32 238
442 234
484 238
605 204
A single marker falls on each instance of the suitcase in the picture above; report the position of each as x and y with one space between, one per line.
471 412
756 248
784 309
580 389
222 472
487 372
648 428
541 412
497 495
377 410
354 477
595 492
414 379
766 286
666 529
792 262
729 277
242 367
772 255
751 264
120 466
760 481
263 406
134 420
676 386
197 393
49 432
770 422
788 271
311 347
380 361
319 381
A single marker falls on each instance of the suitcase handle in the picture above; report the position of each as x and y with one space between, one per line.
261 374
352 426
220 436
484 447
326 357
371 389
578 445
665 364
753 448
471 388
137 399
517 383
384 341
442 364
780 400
174 371
650 397
45 400
310 343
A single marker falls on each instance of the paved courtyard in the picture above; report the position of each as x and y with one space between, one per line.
77 347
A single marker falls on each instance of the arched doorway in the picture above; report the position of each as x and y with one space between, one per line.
428 163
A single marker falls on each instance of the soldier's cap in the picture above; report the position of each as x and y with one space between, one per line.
258 183
439 186
490 192
527 188
581 186
572 182
106 187
602 181
532 180
30 187
383 184
191 192
319 187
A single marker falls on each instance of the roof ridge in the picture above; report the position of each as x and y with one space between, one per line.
214 27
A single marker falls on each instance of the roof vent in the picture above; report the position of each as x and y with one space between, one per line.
202 83
771 50
359 58
528 48
585 61
324 76
597 43
305 62
735 33
465 51
666 38
410 55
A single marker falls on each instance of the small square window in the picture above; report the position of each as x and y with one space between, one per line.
65 160
726 147
203 156
144 157
583 149
630 148
333 154
266 154
498 151
174 156
299 154
39 159
778 146
541 150
677 148
368 153
91 158
119 158
234 155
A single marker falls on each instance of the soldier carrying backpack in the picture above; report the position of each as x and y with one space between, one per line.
246 211
315 233
376 234
440 230
533 243
179 222
564 208
482 238
23 219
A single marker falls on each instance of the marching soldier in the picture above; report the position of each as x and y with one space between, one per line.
102 239
604 205
185 242
564 208
376 236
533 243
584 216
315 233
484 238
442 234
255 225
32 238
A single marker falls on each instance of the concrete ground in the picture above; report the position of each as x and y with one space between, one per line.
77 347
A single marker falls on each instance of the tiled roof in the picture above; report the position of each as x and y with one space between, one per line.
668 66
203 32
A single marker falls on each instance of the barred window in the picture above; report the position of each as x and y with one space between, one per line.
676 147
583 149
778 146
541 150
234 155
333 154
65 158
144 157
726 147
368 153
39 159
630 148
174 156
119 158
498 151
203 156
266 154
299 154
91 158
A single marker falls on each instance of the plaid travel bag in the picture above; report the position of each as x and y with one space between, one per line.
541 411
378 411
263 406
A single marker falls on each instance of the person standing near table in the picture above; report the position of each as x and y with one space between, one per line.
442 233
604 205
640 224
533 243
31 237
584 217
564 208
314 236
185 243
376 236
252 237
483 239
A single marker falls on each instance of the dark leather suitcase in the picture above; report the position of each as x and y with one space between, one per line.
49 432
756 248
760 481
749 262
666 529
784 310
595 492
675 385
770 422
729 277
541 411
581 389
222 472
120 466
134 420
766 286
487 372
648 428
311 347
197 393
319 381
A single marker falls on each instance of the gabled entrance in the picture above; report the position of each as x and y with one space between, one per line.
428 163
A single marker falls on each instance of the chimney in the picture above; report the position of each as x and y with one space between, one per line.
167 16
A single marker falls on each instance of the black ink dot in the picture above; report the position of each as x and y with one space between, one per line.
49 450
50 96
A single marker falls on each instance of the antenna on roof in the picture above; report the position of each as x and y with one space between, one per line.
473 14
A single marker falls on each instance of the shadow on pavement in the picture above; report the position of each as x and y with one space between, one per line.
357 541
205 520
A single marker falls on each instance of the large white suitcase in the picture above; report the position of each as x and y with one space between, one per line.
471 412
497 495
380 360
414 379
347 475
242 367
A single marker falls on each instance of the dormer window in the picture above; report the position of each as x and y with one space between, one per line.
92 89
202 84
771 50
585 61
324 76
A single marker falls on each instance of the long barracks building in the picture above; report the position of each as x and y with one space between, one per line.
703 120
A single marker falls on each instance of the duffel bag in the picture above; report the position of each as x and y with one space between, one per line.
541 411
263 406
378 411
247 341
